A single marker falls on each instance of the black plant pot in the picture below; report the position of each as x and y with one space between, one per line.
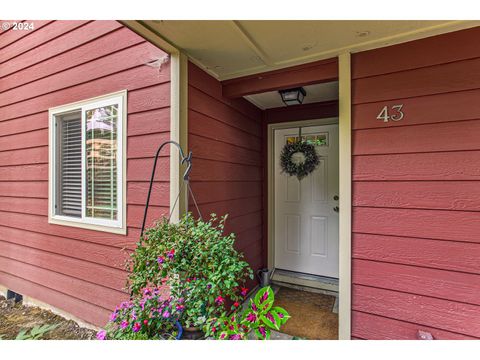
192 333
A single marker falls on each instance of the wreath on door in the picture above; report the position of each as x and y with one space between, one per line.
299 159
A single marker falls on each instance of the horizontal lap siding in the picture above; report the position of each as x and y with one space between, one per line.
79 271
225 139
416 190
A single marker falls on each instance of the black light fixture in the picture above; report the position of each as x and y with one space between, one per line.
293 96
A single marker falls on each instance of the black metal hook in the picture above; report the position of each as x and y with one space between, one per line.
186 176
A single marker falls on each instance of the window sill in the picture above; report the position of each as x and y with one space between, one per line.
86 226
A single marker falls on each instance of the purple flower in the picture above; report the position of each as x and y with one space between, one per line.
166 314
102 335
124 324
235 337
113 316
136 327
160 260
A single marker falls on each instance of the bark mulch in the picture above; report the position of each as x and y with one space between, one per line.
15 317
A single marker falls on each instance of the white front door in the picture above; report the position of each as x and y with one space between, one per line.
306 211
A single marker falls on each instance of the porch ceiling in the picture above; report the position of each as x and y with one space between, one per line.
229 49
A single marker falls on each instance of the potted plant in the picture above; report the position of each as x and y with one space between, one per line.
154 315
259 317
199 265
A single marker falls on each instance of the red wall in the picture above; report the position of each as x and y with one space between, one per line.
225 137
416 190
78 271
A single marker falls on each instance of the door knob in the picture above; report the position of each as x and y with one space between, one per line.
336 209
336 198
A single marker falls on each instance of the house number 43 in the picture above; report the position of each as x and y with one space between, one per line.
393 113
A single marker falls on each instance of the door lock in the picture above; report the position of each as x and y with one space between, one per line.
336 209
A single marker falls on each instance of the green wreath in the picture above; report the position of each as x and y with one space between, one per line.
299 159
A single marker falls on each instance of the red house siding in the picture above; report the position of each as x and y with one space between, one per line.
416 190
225 137
78 271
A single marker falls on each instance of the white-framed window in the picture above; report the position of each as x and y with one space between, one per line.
87 162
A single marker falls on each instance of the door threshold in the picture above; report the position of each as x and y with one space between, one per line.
284 277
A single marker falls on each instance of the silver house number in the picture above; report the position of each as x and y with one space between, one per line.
395 113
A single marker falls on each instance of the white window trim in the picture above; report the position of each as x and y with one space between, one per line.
113 226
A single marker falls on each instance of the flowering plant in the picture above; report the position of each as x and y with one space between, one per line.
260 316
196 261
151 316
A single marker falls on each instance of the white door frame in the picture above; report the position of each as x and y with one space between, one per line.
345 192
271 180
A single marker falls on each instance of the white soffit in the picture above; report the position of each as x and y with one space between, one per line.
229 49
315 93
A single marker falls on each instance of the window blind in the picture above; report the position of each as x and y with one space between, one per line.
69 158
101 162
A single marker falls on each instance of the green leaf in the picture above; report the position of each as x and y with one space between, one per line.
274 322
22 335
260 336
264 299
282 314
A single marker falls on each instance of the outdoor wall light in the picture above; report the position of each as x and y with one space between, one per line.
293 96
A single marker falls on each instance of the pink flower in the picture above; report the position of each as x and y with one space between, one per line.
145 322
236 304
166 314
219 300
136 327
235 337
102 335
244 291
124 324
171 253
160 260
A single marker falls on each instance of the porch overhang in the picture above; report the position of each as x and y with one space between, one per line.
232 49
